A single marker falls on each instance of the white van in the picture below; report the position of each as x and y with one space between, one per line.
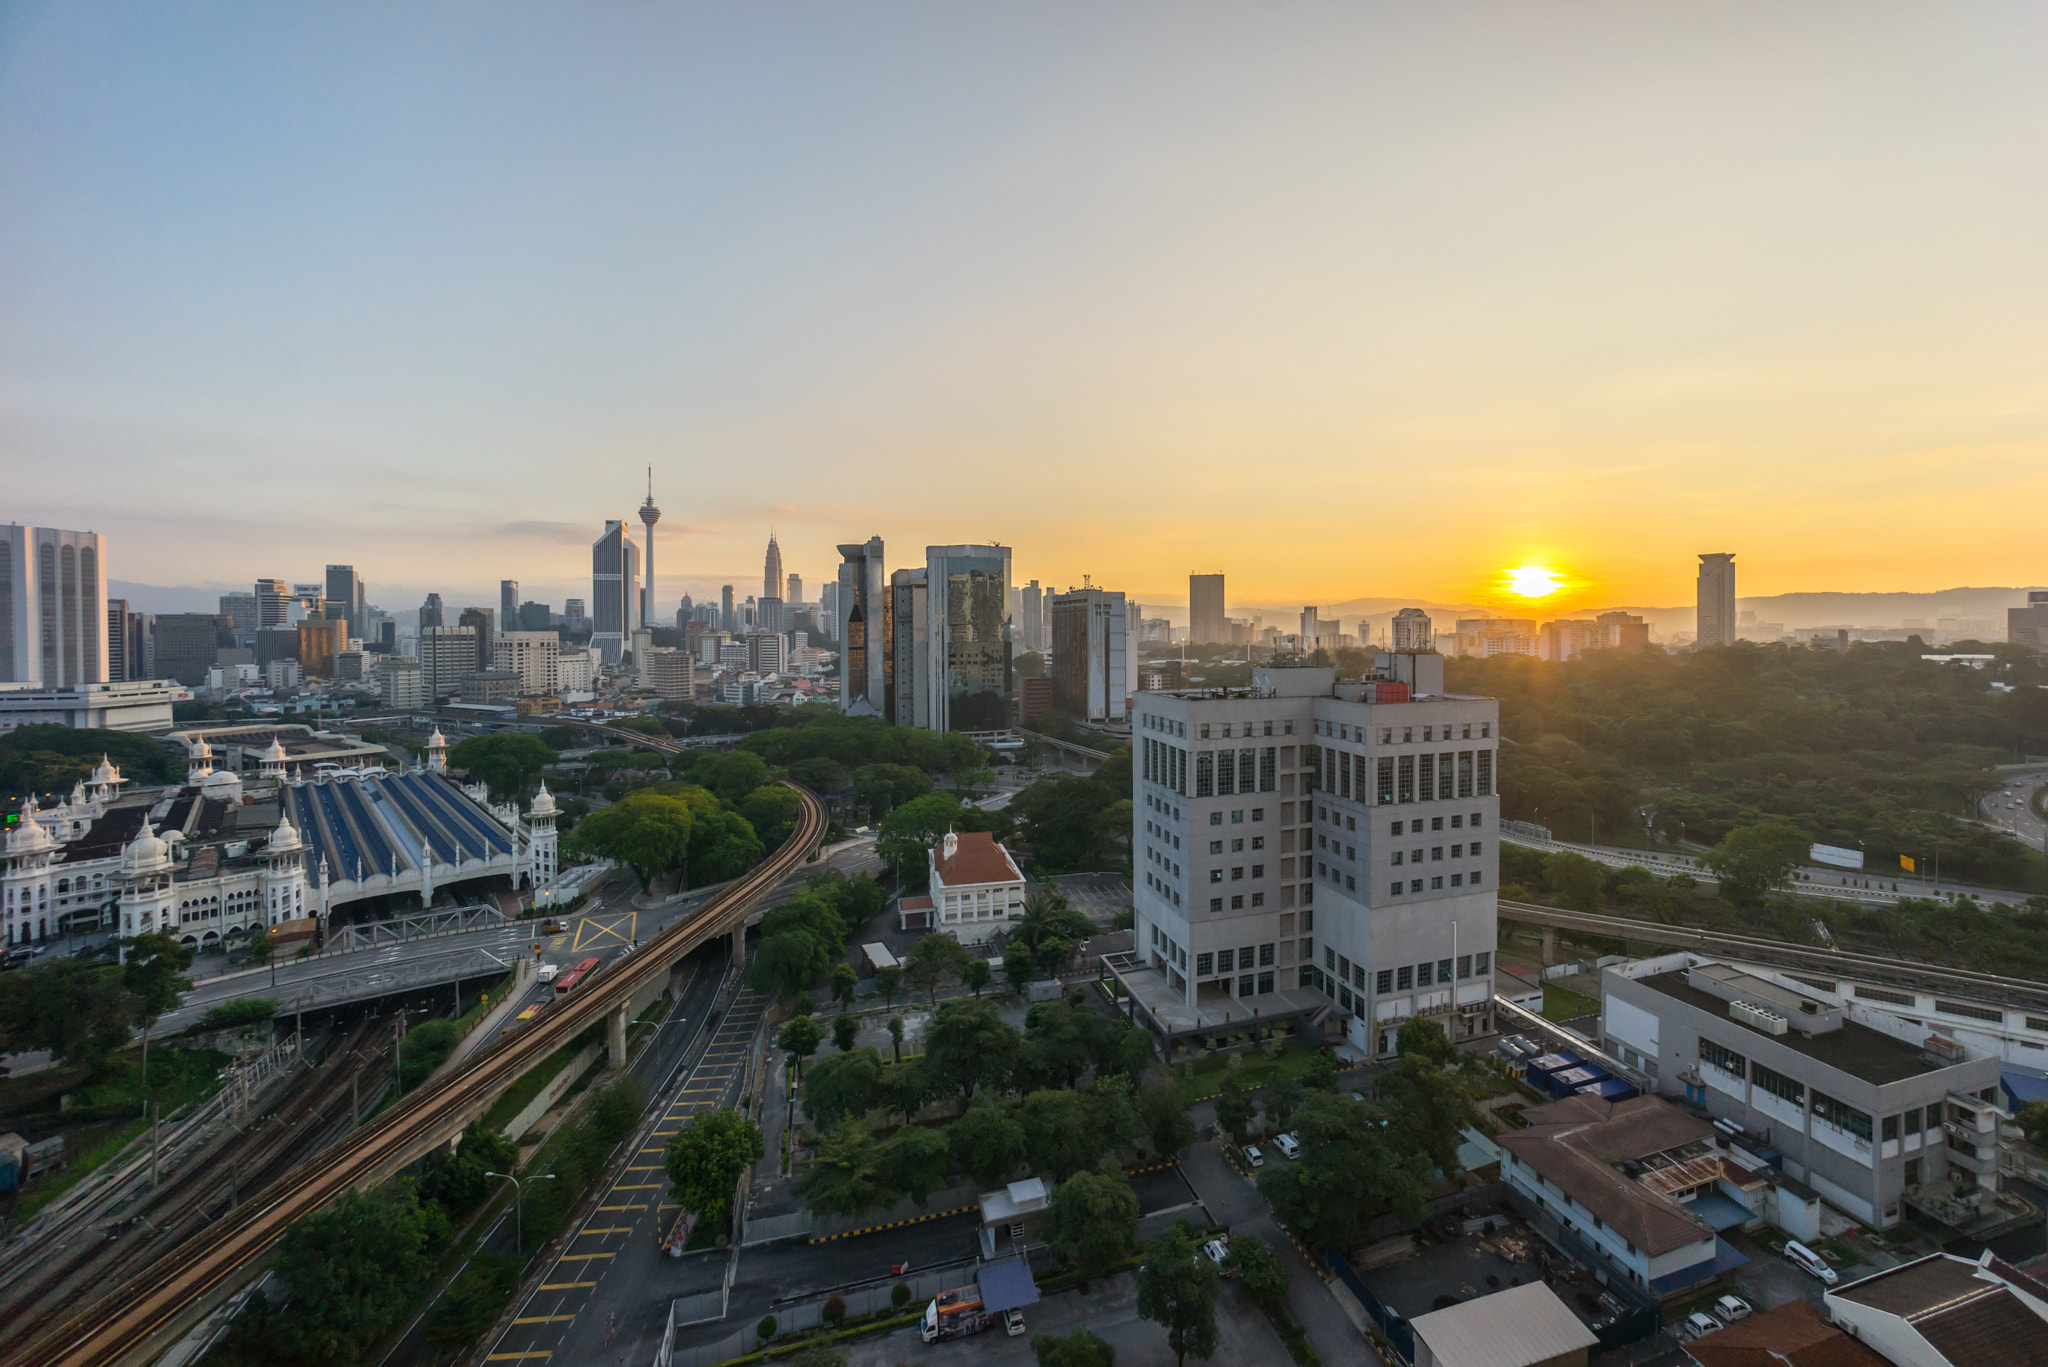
1806 1260
547 972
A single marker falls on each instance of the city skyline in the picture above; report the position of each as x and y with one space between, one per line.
1712 291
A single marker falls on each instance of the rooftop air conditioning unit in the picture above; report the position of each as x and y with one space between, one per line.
1757 1017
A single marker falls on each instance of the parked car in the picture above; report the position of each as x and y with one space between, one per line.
1216 1250
1806 1260
1013 1322
1729 1309
1253 1156
1289 1146
1698 1325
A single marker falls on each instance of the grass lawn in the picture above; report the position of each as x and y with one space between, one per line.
1563 1004
1204 1076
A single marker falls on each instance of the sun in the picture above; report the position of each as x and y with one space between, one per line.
1531 581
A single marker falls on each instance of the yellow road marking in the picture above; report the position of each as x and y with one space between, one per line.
584 1257
639 1207
543 1319
514 1357
644 1186
565 1286
616 1229
594 932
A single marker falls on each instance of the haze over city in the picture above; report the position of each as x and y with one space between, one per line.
1348 301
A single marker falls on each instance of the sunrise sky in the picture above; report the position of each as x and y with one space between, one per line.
1340 299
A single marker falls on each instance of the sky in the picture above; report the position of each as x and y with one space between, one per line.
1342 300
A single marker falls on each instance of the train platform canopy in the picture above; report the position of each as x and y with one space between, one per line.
1006 1285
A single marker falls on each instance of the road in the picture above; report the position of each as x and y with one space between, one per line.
2012 807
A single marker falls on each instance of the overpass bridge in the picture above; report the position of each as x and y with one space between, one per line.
133 1321
1071 755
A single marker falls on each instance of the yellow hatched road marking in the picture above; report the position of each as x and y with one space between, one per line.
515 1357
645 1167
642 1186
543 1319
615 1229
638 1207
565 1286
584 1257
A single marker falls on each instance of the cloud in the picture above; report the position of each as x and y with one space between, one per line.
547 531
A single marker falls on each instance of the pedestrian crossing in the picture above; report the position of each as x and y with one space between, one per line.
621 1226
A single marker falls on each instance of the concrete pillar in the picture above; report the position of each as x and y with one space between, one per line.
615 1035
739 946
1549 945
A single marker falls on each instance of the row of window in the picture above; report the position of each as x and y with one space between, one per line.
1462 730
1165 891
1409 977
1171 727
1237 901
1223 729
1237 873
1835 1112
1436 882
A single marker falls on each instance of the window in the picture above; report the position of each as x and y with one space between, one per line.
1485 784
1265 983
1841 1115
1464 773
1472 878
1385 780
1330 957
1244 956
1205 774
1258 842
1890 1131
1436 884
1215 818
1215 875
1464 966
1415 885
1456 822
1777 1084
1397 828
1237 902
1977 1013
1244 985
1475 849
1237 819
1268 731
1258 870
1258 814
1265 956
1443 970
1384 979
1479 962
1404 978
1428 777
1913 1121
1879 994
1215 904
1268 769
1215 847
1457 880
1436 853
1205 965
1435 824
1358 976
1722 1057
1485 729
1237 845
1258 899
1405 787
1397 858
1475 821
1424 975
1350 851
1394 889
1205 731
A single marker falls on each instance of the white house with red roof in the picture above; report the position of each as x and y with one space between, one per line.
975 887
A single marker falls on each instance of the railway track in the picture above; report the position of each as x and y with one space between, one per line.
151 1304
314 1111
1988 988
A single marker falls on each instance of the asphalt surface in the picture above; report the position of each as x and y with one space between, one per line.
2011 808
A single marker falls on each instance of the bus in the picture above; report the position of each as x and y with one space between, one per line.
566 984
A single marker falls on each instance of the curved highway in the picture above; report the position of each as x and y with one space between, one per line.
121 1326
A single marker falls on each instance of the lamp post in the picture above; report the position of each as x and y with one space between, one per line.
519 1204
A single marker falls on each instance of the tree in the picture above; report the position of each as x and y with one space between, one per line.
915 1161
1282 1095
969 1045
800 1037
1177 1290
353 1271
896 1037
931 958
1166 1120
1113 1113
1574 879
845 984
1079 1349
1074 823
151 971
648 832
510 762
1020 965
2033 1122
889 981
1048 916
845 1029
1234 1111
731 775
1257 1268
843 1178
1752 860
905 837
1430 1107
467 1308
704 1160
260 948
1353 1167
975 975
1061 1136
723 846
846 1084
78 1011
773 811
1092 1221
1422 1038
987 1141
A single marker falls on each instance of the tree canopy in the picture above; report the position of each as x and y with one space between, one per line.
47 760
704 1160
510 762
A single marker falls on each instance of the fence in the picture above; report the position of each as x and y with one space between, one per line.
807 1314
1391 1325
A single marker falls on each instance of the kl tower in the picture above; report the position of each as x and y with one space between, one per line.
649 515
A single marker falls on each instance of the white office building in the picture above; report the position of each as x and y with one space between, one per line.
1304 844
535 656
53 607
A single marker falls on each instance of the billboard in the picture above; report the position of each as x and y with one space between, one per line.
1835 857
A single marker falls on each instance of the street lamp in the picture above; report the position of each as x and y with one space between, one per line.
519 1204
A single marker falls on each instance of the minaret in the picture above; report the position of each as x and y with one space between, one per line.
437 753
542 845
649 515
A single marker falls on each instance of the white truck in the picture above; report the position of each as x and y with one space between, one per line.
547 972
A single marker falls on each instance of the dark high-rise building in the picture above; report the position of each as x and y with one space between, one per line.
431 613
188 645
1206 623
771 570
968 608
863 629
483 621
1089 660
1714 618
906 666
273 603
1029 606
345 589
508 602
730 621
118 669
535 617
614 591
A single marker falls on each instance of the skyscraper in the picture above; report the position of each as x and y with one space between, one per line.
906 669
431 612
117 642
728 619
273 603
1089 654
796 591
968 607
649 515
53 607
345 588
483 622
1715 623
614 563
1030 603
863 629
1412 630
1206 623
508 602
771 573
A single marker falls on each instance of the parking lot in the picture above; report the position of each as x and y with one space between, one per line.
1098 896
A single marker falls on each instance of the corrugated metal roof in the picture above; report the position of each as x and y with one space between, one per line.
1512 1328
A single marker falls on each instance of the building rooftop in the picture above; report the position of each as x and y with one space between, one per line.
1855 1049
1575 1145
1512 1328
1793 1335
974 857
1975 1313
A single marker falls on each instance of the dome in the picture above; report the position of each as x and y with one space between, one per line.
437 741
274 752
202 750
106 772
146 853
30 837
285 838
543 802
